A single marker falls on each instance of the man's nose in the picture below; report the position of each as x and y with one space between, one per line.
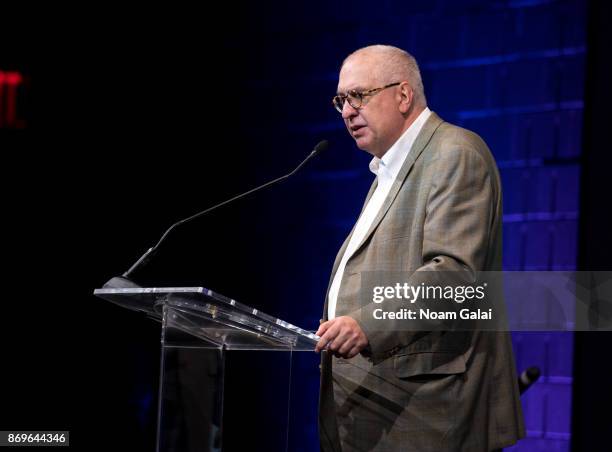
348 111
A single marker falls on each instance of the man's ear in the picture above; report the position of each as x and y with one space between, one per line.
406 94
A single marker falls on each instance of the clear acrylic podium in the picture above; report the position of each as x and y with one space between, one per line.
225 375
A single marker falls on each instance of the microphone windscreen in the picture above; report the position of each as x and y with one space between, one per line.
533 373
321 146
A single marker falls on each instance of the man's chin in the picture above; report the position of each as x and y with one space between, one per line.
363 143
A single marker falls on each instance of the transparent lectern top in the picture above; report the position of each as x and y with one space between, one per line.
212 318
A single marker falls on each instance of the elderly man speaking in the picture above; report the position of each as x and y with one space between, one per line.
434 206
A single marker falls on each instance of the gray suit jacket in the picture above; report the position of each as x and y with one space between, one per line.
425 391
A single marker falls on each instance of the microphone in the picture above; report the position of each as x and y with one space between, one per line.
527 378
124 281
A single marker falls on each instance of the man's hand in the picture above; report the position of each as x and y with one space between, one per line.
342 336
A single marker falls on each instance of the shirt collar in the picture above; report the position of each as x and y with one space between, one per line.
393 159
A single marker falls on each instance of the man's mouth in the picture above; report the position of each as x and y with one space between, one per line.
355 129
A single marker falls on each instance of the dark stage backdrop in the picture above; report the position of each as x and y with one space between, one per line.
131 118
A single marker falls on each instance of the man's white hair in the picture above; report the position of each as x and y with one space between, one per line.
394 65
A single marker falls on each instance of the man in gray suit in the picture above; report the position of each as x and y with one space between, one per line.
435 206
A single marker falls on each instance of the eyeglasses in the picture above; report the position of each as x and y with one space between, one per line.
355 98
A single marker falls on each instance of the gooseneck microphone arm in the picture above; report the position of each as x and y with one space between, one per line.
146 257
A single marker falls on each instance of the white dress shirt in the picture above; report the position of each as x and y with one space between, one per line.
386 170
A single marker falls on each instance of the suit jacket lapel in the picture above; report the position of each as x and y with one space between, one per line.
430 126
348 239
344 246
